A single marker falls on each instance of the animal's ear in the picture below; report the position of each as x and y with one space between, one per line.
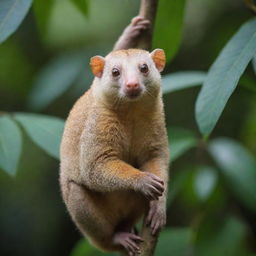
97 64
158 57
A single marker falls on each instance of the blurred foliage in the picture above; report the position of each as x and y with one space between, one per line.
10 149
45 131
43 11
84 248
44 68
205 182
182 80
239 172
82 5
168 36
12 13
54 79
221 237
181 140
224 75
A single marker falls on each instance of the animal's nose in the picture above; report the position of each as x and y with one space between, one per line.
132 85
132 89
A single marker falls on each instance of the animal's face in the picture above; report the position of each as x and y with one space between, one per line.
129 74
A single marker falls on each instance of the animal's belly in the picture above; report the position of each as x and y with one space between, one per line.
125 204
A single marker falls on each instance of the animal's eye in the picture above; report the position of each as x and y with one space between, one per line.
143 68
115 72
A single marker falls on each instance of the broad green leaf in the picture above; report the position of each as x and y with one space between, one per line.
10 144
221 237
205 182
174 241
83 248
181 140
224 75
168 28
45 131
43 9
182 80
238 167
12 13
82 5
55 79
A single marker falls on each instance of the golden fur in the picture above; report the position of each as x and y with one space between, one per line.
104 151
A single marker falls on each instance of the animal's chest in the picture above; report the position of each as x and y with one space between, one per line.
139 136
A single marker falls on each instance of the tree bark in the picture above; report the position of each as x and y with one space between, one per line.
148 246
148 10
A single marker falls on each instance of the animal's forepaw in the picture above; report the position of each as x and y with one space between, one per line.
151 186
129 241
138 25
156 217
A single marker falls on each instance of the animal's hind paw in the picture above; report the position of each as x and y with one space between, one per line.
138 25
129 241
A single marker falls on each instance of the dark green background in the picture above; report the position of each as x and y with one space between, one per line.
211 207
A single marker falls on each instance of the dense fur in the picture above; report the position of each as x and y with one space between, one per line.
108 144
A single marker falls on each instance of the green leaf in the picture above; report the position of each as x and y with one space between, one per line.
55 79
205 182
12 13
45 131
238 168
181 140
221 237
82 5
182 80
83 248
168 28
10 145
224 75
174 241
43 10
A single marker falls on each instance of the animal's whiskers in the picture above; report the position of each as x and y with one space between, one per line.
149 93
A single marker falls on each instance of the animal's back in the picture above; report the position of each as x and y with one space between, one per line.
69 150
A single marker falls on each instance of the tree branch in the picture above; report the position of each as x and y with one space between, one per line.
148 246
148 10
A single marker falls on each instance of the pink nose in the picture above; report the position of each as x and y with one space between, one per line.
132 85
132 89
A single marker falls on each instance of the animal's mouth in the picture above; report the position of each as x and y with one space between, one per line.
133 94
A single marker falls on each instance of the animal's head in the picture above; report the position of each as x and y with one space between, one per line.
129 74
